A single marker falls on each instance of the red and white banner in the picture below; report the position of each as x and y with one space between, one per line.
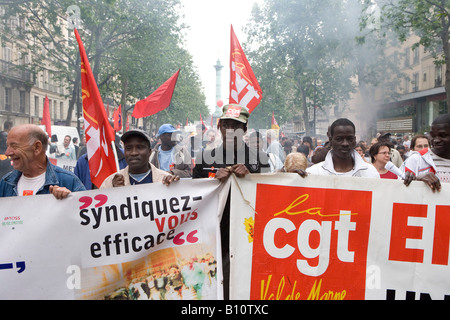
244 87
146 242
99 133
339 238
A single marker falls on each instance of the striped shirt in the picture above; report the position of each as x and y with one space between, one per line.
442 167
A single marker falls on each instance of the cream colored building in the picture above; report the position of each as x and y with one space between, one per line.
412 102
22 92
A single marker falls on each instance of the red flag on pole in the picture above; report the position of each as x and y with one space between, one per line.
274 122
201 119
99 133
158 100
46 120
244 88
118 118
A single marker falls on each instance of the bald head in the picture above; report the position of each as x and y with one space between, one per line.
33 132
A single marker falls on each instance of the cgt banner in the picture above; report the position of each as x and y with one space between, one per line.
326 237
139 242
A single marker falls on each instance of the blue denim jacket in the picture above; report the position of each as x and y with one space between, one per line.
54 176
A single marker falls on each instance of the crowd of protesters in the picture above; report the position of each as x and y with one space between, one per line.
177 153
232 149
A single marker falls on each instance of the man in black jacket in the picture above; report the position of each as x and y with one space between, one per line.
232 156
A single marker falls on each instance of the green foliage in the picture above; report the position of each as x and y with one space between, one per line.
133 46
302 58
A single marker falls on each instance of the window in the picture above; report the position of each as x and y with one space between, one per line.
438 76
36 106
416 56
407 57
415 82
61 110
22 101
406 84
8 99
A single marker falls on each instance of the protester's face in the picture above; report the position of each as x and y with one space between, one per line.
166 139
137 153
19 149
383 155
440 139
211 136
343 141
360 151
306 143
231 130
421 143
66 141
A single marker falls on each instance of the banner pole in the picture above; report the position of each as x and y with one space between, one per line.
115 155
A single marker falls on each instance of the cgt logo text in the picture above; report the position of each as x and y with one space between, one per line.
309 233
304 233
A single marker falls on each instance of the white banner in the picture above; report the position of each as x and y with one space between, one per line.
138 242
326 237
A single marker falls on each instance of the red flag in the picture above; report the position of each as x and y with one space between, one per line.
158 100
244 88
274 122
118 118
46 117
99 133
201 119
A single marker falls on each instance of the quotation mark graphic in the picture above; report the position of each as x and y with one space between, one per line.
87 201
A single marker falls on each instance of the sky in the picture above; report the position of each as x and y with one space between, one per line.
209 39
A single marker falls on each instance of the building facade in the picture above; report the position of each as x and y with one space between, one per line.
417 97
22 90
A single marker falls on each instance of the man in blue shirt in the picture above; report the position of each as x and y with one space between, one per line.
33 173
169 155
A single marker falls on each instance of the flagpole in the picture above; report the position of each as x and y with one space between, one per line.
116 158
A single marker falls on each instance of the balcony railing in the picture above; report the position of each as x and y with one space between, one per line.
13 71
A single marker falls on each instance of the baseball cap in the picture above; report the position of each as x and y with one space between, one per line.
166 128
235 112
135 132
383 134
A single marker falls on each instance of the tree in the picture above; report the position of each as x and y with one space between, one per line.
113 32
302 56
428 19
